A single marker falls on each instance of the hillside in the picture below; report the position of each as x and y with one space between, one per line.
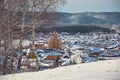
81 22
105 19
102 70
76 22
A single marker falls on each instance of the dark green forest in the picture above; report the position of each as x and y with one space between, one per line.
75 29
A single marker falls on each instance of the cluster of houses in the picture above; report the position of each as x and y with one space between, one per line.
77 48
53 50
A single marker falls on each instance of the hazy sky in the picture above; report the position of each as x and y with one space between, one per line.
74 6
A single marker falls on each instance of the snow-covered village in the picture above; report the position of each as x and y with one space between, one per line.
38 42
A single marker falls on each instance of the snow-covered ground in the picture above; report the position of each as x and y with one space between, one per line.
101 70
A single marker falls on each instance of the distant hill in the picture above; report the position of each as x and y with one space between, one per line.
79 22
103 19
84 22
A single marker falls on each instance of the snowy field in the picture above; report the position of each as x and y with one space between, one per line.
101 70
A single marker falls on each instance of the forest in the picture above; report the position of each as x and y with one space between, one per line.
75 29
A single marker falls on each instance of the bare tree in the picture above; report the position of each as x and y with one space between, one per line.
15 12
40 12
6 25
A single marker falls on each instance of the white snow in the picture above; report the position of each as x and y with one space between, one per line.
101 70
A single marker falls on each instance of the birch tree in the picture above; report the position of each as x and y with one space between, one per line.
15 12
41 11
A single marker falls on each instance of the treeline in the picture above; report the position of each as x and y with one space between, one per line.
76 29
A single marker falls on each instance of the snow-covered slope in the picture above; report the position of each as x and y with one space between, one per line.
90 18
102 70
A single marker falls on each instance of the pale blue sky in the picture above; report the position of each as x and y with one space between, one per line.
76 6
